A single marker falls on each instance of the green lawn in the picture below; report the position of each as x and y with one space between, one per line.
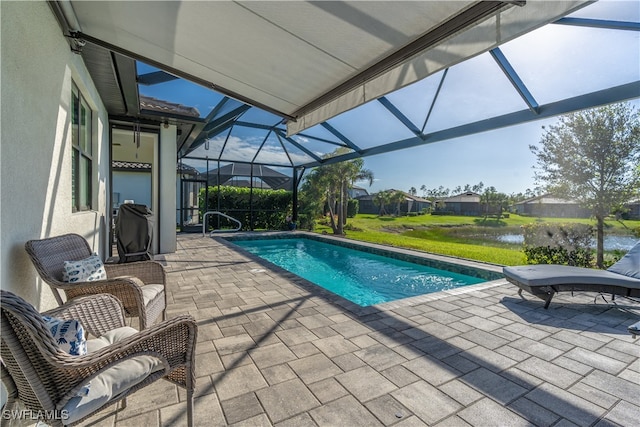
459 236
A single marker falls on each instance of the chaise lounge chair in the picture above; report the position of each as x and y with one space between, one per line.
544 280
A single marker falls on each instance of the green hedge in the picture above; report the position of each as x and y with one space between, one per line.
353 207
270 207
565 244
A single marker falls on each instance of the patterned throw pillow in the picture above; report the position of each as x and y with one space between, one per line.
84 270
69 335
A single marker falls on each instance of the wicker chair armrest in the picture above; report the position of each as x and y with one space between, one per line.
126 289
97 313
150 272
172 341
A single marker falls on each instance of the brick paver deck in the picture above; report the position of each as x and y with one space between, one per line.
273 350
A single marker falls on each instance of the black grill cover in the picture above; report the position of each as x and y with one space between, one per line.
134 228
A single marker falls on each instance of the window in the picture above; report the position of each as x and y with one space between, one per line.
81 156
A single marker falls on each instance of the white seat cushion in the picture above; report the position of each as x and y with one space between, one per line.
109 338
150 292
113 381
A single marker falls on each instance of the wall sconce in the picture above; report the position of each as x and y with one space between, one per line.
166 124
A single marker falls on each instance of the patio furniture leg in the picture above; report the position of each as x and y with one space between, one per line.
547 300
190 407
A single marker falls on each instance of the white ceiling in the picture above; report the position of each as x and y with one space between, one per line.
284 55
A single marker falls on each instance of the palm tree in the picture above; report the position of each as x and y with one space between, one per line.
353 172
382 199
335 180
398 197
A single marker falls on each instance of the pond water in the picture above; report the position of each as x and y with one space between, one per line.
610 242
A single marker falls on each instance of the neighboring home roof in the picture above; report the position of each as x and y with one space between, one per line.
119 165
357 189
235 182
547 199
407 196
187 170
274 179
154 104
412 197
468 197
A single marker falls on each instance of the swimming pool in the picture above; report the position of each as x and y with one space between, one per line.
361 277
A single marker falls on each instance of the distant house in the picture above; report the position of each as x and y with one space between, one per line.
462 204
415 203
410 204
355 192
241 174
548 205
634 209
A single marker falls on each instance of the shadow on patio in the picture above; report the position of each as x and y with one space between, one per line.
276 350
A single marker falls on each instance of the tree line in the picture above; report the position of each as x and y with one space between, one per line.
438 193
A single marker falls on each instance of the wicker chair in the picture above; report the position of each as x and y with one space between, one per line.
46 379
140 286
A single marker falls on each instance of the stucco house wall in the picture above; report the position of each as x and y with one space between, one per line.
37 70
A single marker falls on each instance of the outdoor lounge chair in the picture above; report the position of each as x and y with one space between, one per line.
64 389
140 286
544 280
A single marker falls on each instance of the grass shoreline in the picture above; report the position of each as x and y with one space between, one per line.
458 236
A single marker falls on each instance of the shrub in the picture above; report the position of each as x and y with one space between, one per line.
613 257
306 222
265 209
353 207
566 244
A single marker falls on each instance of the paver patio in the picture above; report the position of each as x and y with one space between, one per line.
274 350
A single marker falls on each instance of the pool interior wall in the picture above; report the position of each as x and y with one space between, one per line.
483 271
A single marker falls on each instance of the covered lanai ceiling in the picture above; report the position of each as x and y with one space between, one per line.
282 83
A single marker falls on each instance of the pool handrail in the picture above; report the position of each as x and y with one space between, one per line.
204 223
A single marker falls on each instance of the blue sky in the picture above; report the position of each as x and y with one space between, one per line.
498 158
554 62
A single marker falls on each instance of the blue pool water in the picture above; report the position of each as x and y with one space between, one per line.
360 277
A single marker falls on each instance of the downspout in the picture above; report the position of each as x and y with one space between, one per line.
219 196
251 199
110 219
294 198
